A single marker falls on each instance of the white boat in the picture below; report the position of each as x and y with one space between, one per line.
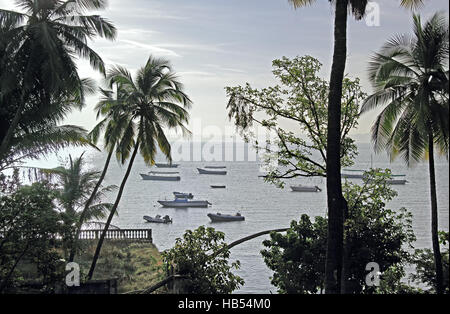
352 175
215 167
159 165
305 188
184 202
225 218
158 219
159 177
216 172
361 174
163 172
396 181
183 195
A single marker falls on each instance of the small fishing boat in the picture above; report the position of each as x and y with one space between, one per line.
183 195
184 202
159 177
216 172
159 165
225 218
361 174
163 172
305 188
158 219
218 186
352 175
215 167
396 181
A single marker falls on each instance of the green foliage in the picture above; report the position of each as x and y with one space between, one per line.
373 233
28 225
298 258
202 255
425 266
301 98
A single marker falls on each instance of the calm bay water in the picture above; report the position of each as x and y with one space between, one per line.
263 205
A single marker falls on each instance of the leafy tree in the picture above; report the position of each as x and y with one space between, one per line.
423 260
410 79
335 200
373 233
202 256
153 101
28 225
37 58
301 98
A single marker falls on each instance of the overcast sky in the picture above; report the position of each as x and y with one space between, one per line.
218 43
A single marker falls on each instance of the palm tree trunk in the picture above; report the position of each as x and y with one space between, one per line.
111 214
73 249
434 218
333 164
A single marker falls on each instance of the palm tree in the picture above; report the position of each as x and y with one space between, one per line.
335 199
74 184
154 100
38 132
108 107
38 49
410 79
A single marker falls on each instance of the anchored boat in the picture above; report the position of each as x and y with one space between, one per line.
217 172
218 186
159 177
183 195
159 165
225 218
184 202
305 188
215 167
158 219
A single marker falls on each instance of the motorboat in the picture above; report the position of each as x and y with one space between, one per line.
218 186
159 177
225 218
163 172
158 219
160 165
305 188
183 203
395 181
183 195
361 174
216 172
215 167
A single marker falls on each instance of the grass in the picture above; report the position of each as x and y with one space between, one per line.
135 265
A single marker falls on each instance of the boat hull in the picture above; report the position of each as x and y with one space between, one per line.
159 178
215 167
178 204
213 172
305 189
166 165
225 218
218 186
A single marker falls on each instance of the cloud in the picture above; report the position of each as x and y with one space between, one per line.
154 49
